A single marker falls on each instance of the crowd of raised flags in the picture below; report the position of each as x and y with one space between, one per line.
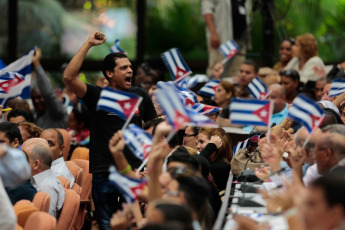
178 102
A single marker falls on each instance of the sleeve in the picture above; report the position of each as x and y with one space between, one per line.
207 6
91 97
308 72
208 150
54 106
149 109
14 168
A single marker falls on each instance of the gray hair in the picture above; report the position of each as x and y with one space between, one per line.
43 154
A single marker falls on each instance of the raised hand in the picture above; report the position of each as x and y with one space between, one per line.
117 143
217 141
218 70
96 38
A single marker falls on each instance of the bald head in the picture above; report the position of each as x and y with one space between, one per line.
277 95
29 144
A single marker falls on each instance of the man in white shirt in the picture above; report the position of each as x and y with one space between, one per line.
55 142
14 169
40 160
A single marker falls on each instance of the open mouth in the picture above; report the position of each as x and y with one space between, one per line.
128 79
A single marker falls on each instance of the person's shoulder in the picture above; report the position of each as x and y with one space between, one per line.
139 91
315 60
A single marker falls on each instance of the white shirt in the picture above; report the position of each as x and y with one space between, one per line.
48 183
59 168
311 175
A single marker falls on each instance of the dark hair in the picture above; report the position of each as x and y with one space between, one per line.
197 192
175 212
181 155
204 164
333 187
109 62
291 40
82 114
291 73
11 131
17 113
153 123
251 63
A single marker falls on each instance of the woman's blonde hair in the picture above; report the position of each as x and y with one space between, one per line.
308 45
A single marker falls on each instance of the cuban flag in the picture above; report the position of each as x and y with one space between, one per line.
229 49
188 97
257 88
209 89
190 82
121 103
307 112
337 87
21 79
116 47
173 107
205 109
175 63
130 188
138 141
251 112
244 144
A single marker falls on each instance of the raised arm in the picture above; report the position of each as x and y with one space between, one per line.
71 74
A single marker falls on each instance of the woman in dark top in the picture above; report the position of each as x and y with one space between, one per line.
215 146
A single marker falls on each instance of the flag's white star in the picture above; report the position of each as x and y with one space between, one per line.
263 113
127 105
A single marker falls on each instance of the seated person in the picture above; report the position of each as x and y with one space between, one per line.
10 134
43 179
29 130
290 82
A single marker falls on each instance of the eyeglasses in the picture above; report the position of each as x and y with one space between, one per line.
190 135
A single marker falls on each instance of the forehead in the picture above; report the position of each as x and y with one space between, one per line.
49 134
122 61
285 44
247 67
189 130
202 136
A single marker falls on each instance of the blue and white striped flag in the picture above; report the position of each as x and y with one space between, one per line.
229 49
22 66
257 88
205 109
176 65
116 47
173 107
189 82
307 112
209 89
244 144
337 87
188 97
121 103
251 112
130 188
138 141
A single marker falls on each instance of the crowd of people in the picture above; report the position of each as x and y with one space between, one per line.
187 173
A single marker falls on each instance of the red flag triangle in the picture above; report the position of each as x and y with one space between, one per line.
263 113
179 72
137 189
232 53
179 120
7 85
128 105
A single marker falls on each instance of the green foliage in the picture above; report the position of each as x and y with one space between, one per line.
178 24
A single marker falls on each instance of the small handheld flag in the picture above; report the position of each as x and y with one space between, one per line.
138 141
120 103
229 49
251 112
244 144
9 80
307 112
175 63
130 188
257 88
209 89
337 87
205 109
116 47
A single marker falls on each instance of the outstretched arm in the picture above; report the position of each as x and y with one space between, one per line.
70 75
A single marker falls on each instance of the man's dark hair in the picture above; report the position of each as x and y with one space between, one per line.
153 123
109 62
181 155
11 131
333 187
251 63
291 73
17 113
